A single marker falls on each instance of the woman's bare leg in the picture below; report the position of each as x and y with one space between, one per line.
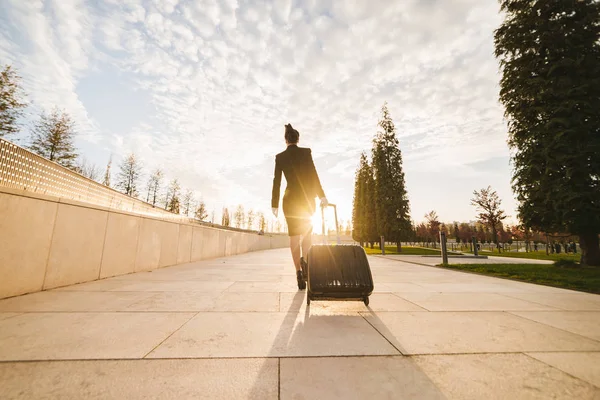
295 248
306 243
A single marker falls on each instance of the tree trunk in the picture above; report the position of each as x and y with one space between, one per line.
399 246
590 249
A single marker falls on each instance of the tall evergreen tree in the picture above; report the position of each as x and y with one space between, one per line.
391 199
154 184
359 233
129 175
53 138
11 104
549 53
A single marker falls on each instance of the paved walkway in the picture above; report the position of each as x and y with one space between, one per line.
466 259
237 328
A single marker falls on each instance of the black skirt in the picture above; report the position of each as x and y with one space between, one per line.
298 212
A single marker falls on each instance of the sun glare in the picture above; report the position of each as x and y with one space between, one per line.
316 223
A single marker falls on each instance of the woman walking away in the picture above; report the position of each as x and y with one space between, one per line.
303 185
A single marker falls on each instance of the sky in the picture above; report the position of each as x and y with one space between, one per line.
203 88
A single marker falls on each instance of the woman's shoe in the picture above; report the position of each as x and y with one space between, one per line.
300 278
304 265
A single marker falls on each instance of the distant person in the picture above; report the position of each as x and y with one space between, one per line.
303 185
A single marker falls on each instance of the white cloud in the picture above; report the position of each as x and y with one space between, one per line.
225 76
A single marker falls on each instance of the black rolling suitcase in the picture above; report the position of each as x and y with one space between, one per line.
338 272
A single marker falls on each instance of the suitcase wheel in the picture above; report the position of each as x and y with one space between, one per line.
366 300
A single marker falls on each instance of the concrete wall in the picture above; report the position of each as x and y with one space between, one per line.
46 242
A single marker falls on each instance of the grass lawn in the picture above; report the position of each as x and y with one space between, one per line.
585 279
537 255
407 251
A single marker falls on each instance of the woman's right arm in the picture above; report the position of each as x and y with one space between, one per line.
317 182
276 185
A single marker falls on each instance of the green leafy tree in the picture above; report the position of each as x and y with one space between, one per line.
53 138
549 54
391 199
11 104
456 232
359 213
130 171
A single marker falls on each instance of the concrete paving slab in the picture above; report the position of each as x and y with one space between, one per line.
61 336
246 302
175 301
273 335
585 366
355 378
470 302
174 286
71 301
104 285
141 379
502 376
378 302
563 300
584 323
6 315
263 287
472 332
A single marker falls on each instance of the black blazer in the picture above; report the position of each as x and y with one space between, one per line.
303 183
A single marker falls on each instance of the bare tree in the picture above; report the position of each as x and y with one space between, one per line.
433 226
490 214
154 184
87 169
129 175
188 199
250 218
172 197
11 104
239 216
53 138
106 180
201 213
225 221
262 222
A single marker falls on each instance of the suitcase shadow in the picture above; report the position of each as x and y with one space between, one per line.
297 331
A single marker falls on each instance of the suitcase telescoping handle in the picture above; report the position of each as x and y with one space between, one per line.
337 227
